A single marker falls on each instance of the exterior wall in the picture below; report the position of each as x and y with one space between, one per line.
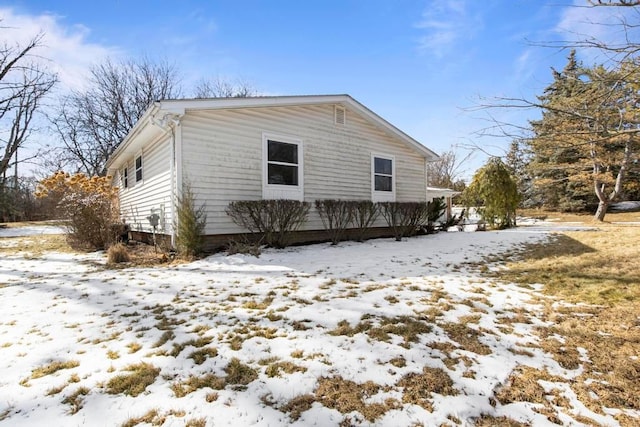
152 193
222 158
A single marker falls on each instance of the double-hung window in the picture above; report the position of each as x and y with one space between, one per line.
125 176
383 185
138 168
282 164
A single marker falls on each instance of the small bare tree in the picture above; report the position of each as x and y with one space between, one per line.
91 123
445 172
220 88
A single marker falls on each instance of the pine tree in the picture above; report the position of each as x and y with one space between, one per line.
584 145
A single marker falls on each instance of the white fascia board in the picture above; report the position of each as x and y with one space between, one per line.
248 102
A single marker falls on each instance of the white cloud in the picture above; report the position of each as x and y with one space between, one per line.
65 49
445 24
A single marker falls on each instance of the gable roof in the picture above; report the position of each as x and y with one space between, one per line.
160 110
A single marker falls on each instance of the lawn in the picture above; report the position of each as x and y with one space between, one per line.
445 329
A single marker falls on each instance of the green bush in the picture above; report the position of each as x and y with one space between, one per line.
191 222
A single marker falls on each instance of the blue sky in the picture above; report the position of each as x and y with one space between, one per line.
419 64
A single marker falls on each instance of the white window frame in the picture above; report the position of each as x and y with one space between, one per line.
279 191
383 196
135 168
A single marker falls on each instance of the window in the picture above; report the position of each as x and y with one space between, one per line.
125 176
282 163
139 168
383 178
282 167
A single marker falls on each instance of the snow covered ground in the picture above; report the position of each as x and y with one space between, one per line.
374 333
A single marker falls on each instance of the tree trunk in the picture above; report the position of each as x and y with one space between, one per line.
602 211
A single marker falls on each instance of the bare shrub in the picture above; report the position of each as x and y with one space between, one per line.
243 247
275 219
364 214
117 254
336 216
404 218
88 204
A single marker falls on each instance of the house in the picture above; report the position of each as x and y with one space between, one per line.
281 147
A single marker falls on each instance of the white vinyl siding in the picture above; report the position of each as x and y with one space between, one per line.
222 152
153 195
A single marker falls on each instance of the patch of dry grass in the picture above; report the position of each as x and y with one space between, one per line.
409 328
599 268
296 406
52 368
274 369
36 245
193 383
466 337
141 376
347 396
418 387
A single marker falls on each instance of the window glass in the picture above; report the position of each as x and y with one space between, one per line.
383 166
283 152
138 168
282 163
384 183
283 175
125 177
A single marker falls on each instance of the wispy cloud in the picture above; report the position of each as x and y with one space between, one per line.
65 49
580 23
445 24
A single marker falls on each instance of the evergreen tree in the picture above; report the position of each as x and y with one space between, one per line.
587 139
556 144
494 193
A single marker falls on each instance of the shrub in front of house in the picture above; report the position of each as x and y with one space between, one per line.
364 214
275 220
89 206
404 218
336 215
191 222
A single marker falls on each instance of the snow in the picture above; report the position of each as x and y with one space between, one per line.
63 307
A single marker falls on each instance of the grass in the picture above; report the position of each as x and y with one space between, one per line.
347 396
37 245
52 368
142 375
599 268
596 267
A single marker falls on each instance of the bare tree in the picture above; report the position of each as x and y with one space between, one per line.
445 172
23 86
220 88
24 83
615 2
91 123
